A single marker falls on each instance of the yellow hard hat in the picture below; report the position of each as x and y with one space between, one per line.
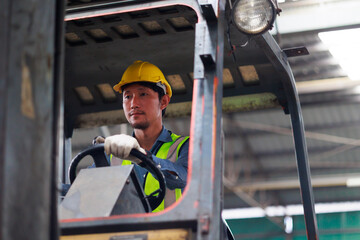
141 71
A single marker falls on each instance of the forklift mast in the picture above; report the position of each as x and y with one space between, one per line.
43 78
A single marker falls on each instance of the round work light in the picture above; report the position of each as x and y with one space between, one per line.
254 16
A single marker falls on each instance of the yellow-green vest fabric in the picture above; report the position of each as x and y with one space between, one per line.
151 184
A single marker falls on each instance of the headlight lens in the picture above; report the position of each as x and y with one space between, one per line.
254 16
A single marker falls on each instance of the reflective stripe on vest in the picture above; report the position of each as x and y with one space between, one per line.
170 151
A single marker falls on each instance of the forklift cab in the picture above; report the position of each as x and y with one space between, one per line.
49 86
212 68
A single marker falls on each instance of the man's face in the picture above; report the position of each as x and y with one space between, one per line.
141 105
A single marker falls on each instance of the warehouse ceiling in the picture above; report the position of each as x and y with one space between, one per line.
260 165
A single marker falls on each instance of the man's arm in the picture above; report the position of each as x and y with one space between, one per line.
175 173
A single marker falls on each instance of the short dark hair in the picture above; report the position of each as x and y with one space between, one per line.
152 86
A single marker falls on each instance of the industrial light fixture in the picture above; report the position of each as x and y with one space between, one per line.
353 182
344 47
254 16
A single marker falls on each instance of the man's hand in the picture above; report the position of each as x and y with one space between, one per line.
120 146
98 140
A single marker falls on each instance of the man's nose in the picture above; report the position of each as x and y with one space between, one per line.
134 102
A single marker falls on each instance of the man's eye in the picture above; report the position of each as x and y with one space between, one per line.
143 94
126 97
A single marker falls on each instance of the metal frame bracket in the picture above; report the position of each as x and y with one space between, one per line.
209 13
208 61
296 51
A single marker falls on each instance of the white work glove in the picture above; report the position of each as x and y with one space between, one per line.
120 146
98 140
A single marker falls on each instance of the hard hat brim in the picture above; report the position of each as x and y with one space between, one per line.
141 71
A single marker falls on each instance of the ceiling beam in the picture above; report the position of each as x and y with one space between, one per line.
326 85
308 134
315 15
292 183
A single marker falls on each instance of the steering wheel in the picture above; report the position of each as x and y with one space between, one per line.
97 153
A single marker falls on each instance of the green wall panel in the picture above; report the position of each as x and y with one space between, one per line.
332 226
339 236
339 220
253 225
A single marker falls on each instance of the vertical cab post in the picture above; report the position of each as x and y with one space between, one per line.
30 76
206 118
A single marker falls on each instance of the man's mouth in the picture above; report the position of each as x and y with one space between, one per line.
136 113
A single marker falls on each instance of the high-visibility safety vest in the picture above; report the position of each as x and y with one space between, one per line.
166 151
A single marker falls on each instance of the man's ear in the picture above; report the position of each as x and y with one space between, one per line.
164 101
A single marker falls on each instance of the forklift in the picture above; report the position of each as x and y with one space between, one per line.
59 61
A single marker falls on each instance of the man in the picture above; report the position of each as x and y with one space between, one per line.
146 94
